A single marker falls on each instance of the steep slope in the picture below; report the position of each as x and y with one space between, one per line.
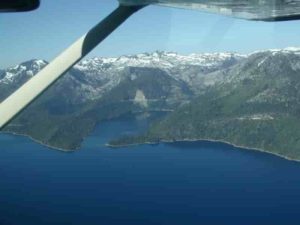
245 100
69 110
256 105
191 69
13 77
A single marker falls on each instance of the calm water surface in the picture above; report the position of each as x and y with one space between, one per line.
183 183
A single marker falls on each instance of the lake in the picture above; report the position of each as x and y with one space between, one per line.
181 183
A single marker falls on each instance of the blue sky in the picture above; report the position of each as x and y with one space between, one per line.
56 24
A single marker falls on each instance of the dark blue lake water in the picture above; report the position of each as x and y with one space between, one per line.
183 183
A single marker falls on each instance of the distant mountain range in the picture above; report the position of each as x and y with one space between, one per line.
247 100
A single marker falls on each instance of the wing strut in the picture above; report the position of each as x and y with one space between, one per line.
39 83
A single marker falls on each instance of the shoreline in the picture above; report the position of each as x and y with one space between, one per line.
39 142
208 140
155 143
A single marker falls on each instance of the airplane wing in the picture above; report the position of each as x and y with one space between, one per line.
265 10
18 5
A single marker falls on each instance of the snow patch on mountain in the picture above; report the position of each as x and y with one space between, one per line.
295 50
157 59
29 68
93 77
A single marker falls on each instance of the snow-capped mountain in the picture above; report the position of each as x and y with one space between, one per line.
255 104
166 60
91 78
21 71
261 86
187 68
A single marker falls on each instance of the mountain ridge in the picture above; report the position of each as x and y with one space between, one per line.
240 92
